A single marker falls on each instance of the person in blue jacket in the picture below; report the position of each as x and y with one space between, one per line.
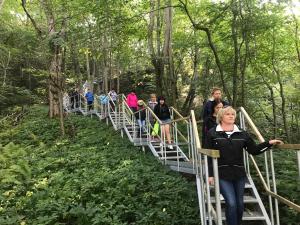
89 98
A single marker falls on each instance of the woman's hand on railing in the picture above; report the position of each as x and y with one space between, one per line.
275 142
211 181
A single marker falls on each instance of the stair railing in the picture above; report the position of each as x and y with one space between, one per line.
209 212
183 134
83 106
113 111
128 115
271 190
97 106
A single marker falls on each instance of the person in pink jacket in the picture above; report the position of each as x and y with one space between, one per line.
132 100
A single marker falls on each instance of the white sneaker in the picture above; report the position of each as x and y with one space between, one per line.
221 197
170 147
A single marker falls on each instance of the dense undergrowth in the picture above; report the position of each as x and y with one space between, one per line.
91 177
287 182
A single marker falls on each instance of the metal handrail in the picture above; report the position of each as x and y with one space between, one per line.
214 154
178 113
268 191
288 146
208 152
152 113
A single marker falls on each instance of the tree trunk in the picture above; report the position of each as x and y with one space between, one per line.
56 81
4 77
297 37
105 63
192 91
5 65
281 91
1 4
75 61
211 45
171 83
274 112
236 54
156 56
88 71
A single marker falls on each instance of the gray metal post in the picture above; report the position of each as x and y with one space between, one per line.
217 192
208 199
298 158
274 187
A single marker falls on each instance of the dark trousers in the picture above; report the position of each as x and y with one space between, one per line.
90 105
233 193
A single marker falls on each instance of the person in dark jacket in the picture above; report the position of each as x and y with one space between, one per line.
141 117
230 141
76 97
216 96
211 121
162 111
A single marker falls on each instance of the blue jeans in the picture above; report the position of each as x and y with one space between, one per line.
233 193
142 124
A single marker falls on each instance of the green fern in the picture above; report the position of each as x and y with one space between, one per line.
14 168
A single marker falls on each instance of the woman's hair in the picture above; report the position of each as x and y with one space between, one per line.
152 95
214 104
223 111
161 98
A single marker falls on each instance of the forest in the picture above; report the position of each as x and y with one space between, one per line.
179 49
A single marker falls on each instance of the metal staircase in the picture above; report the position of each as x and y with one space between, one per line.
187 156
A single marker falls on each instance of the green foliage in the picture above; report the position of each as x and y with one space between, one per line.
285 163
14 167
12 96
96 177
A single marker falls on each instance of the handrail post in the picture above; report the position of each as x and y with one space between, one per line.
261 139
217 192
298 159
208 199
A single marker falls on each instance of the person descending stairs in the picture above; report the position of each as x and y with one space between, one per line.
188 156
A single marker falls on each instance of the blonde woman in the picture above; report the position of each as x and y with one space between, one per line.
231 142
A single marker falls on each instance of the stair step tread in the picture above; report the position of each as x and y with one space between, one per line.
169 151
182 164
248 215
247 186
183 169
247 199
173 157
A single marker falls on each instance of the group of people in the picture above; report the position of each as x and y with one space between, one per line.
221 133
160 109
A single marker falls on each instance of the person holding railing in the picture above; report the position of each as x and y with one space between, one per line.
231 141
151 104
89 98
162 111
132 100
103 100
113 96
141 117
